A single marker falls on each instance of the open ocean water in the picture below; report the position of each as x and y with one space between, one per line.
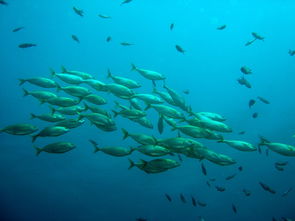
79 185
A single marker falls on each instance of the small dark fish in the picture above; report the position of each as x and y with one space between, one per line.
171 26
246 70
234 208
109 38
240 168
168 197
220 188
243 81
251 103
279 168
104 16
282 163
267 188
179 49
161 124
186 91
291 52
75 38
179 157
255 115
141 219
204 171
194 202
247 192
257 36
27 45
242 132
126 44
126 1
286 193
259 149
17 29
221 27
3 2
78 11
230 176
182 198
208 183
250 42
263 100
202 204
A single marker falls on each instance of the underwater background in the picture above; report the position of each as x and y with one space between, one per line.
81 185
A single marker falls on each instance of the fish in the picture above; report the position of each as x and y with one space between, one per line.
49 117
168 197
208 123
51 131
148 74
19 129
291 52
2 2
255 115
243 81
257 36
279 168
280 148
161 125
217 158
247 192
62 101
83 75
95 99
221 27
263 100
57 148
126 1
242 132
68 78
281 163
286 193
208 183
194 202
142 139
75 91
179 157
202 204
27 45
109 38
171 26
154 166
153 150
73 110
239 145
179 49
166 111
250 42
267 188
186 91
104 16
240 168
267 152
124 43
123 81
75 38
17 29
78 11
220 188
176 97
39 81
149 98
234 208
212 116
204 170
70 123
230 176
115 151
251 103
141 219
120 91
182 198
246 70
42 96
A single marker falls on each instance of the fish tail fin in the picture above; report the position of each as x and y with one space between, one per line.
53 110
26 93
109 74
38 150
263 141
95 145
115 113
132 164
52 72
148 106
34 137
133 67
125 133
80 116
155 90
33 116
58 87
154 83
220 141
63 69
21 81
86 107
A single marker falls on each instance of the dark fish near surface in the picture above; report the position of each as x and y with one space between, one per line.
78 11
234 208
109 38
242 132
286 193
247 192
291 52
220 188
161 124
194 202
126 1
75 38
204 171
279 168
255 115
251 103
186 91
240 168
104 16
171 26
282 163
27 45
257 36
267 188
221 27
126 44
168 197
202 204
179 49
182 198
243 81
250 42
246 70
3 2
230 176
263 100
17 29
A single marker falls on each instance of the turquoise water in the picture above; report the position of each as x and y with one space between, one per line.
80 185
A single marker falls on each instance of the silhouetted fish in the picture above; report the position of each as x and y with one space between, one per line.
247 192
263 100
27 45
208 183
171 26
287 192
221 27
250 42
242 132
282 163
161 124
234 208
75 38
240 168
255 115
179 157
109 38
220 188
126 44
204 171
17 29
194 202
202 204
182 198
267 188
126 1
3 2
179 49
230 176
251 103
168 197
78 11
186 91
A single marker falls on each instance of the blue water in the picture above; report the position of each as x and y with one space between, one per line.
80 185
